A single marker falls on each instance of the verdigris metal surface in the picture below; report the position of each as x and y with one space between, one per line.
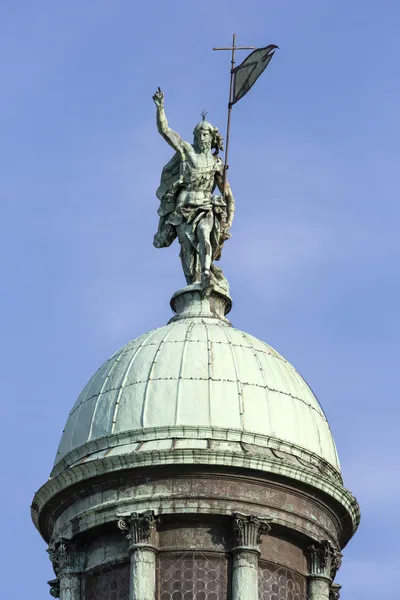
199 373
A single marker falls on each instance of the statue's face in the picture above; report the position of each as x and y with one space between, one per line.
202 139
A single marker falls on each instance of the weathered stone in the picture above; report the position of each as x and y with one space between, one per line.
138 529
334 591
247 533
143 574
245 575
247 530
324 561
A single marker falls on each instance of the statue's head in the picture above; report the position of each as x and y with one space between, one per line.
207 137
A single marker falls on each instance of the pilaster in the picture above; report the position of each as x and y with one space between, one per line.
247 533
139 529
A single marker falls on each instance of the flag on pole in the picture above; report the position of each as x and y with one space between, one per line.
246 74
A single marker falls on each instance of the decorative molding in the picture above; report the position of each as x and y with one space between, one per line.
248 530
66 558
324 560
138 528
204 457
334 591
54 588
311 460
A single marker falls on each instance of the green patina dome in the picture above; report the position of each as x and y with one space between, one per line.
197 383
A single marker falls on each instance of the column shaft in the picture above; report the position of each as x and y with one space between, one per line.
70 586
318 588
245 575
143 574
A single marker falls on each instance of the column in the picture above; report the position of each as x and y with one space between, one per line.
68 563
247 532
324 561
139 529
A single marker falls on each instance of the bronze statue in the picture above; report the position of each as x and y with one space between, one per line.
188 209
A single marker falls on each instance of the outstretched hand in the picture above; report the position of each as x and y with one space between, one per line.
159 98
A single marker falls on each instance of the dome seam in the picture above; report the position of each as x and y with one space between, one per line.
264 376
181 367
122 386
238 382
210 371
248 383
153 362
113 365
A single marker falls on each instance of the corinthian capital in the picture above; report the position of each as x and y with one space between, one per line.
138 528
247 530
324 560
66 558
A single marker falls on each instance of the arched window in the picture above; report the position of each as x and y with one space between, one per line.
192 576
279 583
107 583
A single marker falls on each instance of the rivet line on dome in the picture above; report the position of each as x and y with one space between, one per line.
249 383
264 377
238 383
127 371
210 371
231 343
146 391
183 356
267 349
113 365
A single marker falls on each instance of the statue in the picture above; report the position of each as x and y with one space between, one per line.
188 209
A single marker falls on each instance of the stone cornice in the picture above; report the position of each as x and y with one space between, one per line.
110 464
189 432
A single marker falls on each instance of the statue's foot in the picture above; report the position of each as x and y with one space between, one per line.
206 278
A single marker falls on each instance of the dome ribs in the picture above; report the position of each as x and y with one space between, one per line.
148 382
180 376
239 385
125 377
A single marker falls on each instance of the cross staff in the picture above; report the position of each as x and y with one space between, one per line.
233 49
252 68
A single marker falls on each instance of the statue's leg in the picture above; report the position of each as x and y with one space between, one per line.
187 255
204 229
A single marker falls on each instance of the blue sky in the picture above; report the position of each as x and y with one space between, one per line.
313 259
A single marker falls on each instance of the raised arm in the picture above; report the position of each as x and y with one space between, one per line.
170 136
